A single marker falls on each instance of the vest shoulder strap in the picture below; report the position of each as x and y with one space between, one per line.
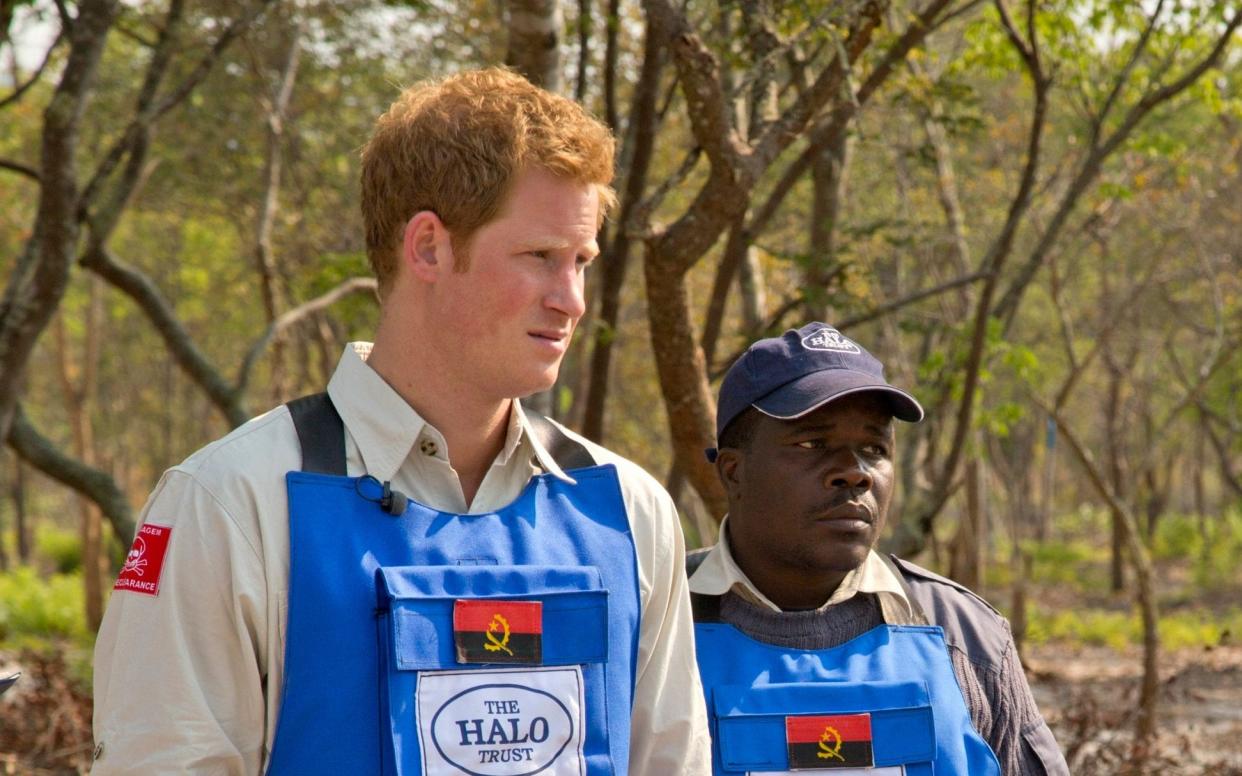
567 452
706 608
321 433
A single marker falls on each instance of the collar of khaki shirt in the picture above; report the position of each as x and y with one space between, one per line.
386 428
719 574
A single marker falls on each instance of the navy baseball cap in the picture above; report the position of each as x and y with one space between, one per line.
800 371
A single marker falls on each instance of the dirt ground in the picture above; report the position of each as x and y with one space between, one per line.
1088 695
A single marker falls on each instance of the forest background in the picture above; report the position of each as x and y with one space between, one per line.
1030 211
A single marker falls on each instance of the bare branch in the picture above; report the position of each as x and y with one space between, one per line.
96 485
66 21
706 104
1140 46
1007 308
25 170
20 90
151 301
906 301
291 317
635 224
152 109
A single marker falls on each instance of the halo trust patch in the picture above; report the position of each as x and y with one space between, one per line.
145 561
501 722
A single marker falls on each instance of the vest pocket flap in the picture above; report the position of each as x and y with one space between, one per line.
570 625
753 734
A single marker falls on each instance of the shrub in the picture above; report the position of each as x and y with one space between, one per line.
61 548
1177 538
1217 565
41 608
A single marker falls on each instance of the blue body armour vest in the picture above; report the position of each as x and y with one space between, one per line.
885 703
430 642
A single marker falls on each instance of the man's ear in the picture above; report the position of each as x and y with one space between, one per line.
730 467
423 246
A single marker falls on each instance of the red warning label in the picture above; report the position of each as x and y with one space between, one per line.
141 572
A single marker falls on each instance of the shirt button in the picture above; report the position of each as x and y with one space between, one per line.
427 447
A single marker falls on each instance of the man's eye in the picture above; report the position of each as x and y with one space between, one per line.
810 444
876 451
543 255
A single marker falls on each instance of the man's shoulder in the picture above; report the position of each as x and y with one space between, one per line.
635 480
969 622
260 449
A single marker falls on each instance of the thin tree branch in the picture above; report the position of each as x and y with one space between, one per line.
1097 122
151 301
20 90
905 301
297 314
96 485
25 170
151 109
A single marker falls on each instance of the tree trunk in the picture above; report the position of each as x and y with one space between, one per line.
966 565
270 282
754 291
21 526
1116 479
643 123
41 275
79 390
683 382
535 28
828 177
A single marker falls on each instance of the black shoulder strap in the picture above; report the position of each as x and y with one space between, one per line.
568 453
321 432
706 608
920 616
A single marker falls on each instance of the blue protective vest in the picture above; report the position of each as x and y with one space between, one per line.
887 699
431 642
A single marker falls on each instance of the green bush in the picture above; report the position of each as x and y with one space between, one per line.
1219 564
41 608
1177 538
61 548
1118 630
1075 563
1087 626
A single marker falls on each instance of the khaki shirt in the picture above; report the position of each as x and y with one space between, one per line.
719 573
188 681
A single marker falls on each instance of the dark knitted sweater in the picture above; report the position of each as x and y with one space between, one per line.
981 649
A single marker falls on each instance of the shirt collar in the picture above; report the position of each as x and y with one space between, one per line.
383 425
719 574
386 428
520 424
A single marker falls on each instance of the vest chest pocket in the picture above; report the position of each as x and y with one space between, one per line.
872 728
484 667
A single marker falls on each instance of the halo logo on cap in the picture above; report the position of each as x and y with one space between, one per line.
829 339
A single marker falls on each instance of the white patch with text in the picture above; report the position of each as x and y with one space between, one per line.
501 722
829 339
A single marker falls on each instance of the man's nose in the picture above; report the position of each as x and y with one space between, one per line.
849 471
567 294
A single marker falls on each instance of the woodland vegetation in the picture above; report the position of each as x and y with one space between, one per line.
1030 211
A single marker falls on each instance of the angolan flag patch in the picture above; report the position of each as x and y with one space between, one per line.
836 741
487 631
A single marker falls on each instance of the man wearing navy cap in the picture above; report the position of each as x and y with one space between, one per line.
817 652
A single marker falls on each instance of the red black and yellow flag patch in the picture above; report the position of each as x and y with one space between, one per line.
487 631
836 741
